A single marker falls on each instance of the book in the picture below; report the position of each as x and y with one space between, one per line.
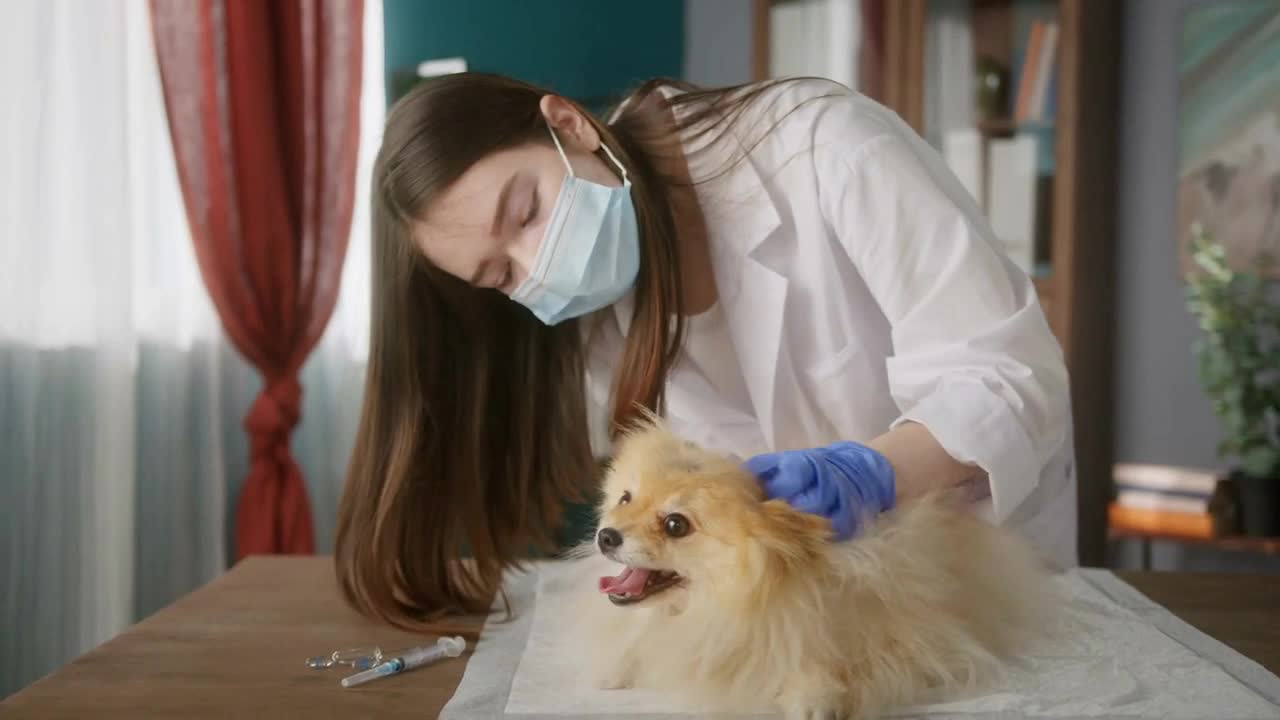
1029 72
1160 522
962 150
950 85
1016 64
1049 108
799 39
1012 196
1044 68
1166 478
1153 500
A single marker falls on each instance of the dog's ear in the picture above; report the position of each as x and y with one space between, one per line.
791 533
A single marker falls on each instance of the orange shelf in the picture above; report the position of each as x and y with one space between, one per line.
1181 527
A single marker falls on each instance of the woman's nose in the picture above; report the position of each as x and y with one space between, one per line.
608 539
521 254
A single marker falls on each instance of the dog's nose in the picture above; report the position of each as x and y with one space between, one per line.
608 539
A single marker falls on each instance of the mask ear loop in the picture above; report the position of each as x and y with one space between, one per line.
560 148
607 151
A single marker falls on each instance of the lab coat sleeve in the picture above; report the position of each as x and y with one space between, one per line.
974 360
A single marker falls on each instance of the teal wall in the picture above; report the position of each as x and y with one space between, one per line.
589 50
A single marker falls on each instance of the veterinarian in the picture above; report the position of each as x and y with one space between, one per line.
784 271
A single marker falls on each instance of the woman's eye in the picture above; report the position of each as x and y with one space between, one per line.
532 214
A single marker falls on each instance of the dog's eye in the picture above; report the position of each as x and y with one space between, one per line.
675 525
626 497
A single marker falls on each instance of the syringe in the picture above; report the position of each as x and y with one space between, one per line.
444 647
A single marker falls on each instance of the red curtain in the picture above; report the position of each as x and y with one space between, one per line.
263 103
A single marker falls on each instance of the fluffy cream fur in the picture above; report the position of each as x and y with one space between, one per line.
926 604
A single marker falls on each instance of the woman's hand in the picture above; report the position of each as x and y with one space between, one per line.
845 483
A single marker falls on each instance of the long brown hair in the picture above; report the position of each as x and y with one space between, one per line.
473 433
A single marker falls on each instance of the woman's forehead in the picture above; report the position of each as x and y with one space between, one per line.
467 206
457 228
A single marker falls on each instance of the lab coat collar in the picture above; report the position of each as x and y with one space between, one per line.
740 217
692 404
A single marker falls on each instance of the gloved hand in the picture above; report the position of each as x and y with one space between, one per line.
844 482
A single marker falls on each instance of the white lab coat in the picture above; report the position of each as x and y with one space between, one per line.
863 288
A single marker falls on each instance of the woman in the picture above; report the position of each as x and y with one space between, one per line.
783 270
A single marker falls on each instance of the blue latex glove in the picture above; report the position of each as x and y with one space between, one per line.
844 482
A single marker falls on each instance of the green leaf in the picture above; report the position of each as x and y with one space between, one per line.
1262 461
1234 421
1238 352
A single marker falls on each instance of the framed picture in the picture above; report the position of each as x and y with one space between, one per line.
1229 128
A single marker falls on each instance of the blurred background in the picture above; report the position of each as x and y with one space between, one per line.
1127 153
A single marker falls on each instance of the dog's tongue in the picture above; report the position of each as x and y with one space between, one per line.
628 582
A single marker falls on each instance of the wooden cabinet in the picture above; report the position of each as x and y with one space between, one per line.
899 65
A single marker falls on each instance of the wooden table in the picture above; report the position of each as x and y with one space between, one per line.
235 649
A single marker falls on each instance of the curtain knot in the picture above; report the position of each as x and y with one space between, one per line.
273 416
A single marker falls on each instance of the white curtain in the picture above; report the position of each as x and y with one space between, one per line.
121 449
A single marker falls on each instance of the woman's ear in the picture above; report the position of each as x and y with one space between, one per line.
569 123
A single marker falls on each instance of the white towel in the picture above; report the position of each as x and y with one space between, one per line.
1121 656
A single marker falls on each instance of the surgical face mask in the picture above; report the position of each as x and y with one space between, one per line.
590 254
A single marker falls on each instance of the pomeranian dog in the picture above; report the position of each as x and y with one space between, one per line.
737 603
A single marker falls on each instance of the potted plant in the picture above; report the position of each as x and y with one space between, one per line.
1239 363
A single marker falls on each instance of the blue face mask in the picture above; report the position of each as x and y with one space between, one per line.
590 254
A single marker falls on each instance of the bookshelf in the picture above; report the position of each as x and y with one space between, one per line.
907 59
